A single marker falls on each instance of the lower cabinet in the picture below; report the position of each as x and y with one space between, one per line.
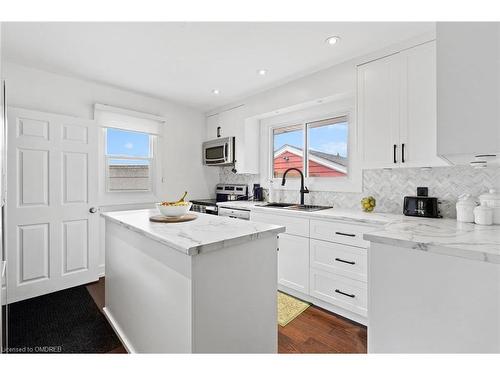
293 262
340 291
323 262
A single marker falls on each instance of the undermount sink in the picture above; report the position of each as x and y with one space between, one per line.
297 207
308 207
279 205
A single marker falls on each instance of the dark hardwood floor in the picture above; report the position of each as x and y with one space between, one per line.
314 331
96 290
319 331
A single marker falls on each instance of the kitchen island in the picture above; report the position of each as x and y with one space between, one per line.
204 286
434 287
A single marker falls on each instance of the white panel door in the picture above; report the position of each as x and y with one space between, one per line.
293 262
378 112
52 237
418 116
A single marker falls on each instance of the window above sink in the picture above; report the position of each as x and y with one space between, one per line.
320 141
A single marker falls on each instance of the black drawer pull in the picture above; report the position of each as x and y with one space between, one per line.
345 294
344 261
345 234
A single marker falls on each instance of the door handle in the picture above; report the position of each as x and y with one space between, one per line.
395 149
92 210
402 152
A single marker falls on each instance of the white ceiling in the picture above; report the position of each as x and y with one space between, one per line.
185 61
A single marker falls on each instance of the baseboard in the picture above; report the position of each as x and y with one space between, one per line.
125 342
327 306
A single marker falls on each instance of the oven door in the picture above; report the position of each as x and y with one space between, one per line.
218 152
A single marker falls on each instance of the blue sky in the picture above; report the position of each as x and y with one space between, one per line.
125 143
331 139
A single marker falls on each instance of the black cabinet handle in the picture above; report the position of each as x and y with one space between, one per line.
344 261
402 152
395 150
485 156
218 131
345 234
345 294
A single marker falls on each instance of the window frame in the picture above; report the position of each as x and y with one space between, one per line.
108 157
350 183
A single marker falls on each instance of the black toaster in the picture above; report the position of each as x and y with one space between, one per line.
421 206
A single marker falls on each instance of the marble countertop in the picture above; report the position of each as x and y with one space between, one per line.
442 236
354 216
206 233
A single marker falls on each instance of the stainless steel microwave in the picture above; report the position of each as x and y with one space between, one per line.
219 151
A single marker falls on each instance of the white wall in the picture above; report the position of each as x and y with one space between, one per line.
181 141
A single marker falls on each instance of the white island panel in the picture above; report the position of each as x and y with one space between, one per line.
170 292
423 302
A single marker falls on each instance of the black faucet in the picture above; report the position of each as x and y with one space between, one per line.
303 189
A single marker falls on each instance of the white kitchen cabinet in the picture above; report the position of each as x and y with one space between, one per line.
343 260
212 123
397 110
340 291
322 261
378 112
418 118
297 226
468 90
293 262
234 123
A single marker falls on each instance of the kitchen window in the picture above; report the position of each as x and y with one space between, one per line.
325 142
287 151
129 160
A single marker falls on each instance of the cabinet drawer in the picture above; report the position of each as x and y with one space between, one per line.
294 225
349 234
340 291
343 260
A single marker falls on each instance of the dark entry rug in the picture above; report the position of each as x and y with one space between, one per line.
67 321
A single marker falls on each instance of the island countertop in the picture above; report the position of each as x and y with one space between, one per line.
206 233
442 236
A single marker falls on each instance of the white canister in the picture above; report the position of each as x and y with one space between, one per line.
492 199
483 214
465 208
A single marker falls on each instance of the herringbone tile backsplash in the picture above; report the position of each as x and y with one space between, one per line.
390 186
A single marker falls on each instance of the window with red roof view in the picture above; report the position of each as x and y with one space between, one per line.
326 144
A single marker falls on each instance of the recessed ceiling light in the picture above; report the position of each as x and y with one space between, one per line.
332 40
262 72
215 92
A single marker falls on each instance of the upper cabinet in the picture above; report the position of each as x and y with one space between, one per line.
468 91
397 109
234 123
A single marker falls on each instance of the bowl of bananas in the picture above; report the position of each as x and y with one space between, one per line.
368 204
176 208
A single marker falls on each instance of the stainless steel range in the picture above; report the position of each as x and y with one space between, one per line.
223 193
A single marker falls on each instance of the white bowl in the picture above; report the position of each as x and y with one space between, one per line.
174 211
